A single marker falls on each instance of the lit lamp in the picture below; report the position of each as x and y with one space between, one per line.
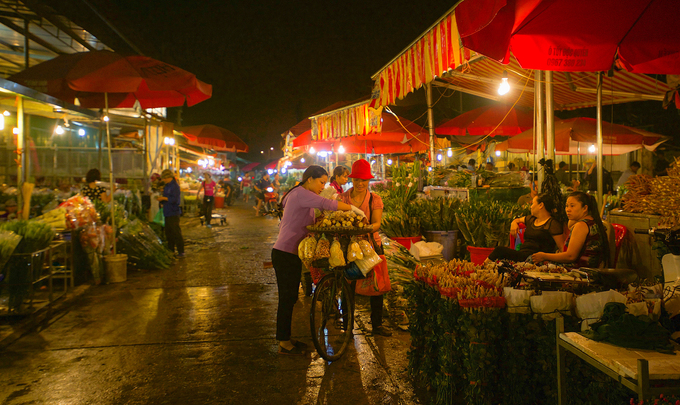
312 150
592 148
170 141
498 153
389 162
81 132
341 149
449 153
439 157
59 130
504 88
302 160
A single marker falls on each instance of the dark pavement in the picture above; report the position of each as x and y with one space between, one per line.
201 332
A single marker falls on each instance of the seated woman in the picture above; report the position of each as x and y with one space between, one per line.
543 233
587 244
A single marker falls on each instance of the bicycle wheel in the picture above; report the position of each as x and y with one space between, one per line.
332 317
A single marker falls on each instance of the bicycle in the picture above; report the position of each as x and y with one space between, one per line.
331 317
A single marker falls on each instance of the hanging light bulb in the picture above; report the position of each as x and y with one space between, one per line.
302 160
449 153
341 149
6 113
59 130
312 150
81 132
439 157
498 153
592 148
504 88
105 118
389 162
15 131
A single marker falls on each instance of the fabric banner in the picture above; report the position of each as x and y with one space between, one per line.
356 120
436 52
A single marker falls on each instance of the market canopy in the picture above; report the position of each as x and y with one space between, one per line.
250 166
364 145
640 36
478 75
90 77
576 135
502 119
214 137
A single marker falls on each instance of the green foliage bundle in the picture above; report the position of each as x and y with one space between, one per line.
489 356
397 226
487 224
436 214
143 247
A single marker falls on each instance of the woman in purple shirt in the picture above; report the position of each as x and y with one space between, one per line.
298 212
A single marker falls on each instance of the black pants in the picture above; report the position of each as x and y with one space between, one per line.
208 202
288 268
505 253
174 234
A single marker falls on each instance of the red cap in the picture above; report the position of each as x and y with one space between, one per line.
361 169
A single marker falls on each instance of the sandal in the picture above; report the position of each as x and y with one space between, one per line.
295 351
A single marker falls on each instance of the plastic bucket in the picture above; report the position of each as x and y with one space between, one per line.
448 239
479 254
406 241
219 202
116 268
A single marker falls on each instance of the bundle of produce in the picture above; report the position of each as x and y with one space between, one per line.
55 218
458 179
398 226
339 220
40 198
79 211
143 247
306 250
400 262
130 201
439 175
436 214
639 184
512 179
487 225
104 211
8 243
35 235
322 252
674 168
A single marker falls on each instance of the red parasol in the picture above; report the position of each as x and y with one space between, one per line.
575 35
482 120
126 79
617 139
212 136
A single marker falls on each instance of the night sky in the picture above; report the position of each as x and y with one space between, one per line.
272 63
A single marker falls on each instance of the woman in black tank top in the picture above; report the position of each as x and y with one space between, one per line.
543 233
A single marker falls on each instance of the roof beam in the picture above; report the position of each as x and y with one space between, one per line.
9 24
464 90
480 79
45 12
629 96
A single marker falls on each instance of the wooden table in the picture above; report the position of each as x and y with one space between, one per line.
630 367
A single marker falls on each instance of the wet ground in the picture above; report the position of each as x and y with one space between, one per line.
201 332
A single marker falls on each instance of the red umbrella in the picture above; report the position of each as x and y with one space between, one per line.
481 121
126 79
575 35
214 137
359 144
617 139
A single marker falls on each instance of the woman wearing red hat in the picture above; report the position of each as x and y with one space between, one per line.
372 206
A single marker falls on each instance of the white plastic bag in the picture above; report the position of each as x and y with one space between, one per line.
552 303
368 262
589 307
518 301
424 249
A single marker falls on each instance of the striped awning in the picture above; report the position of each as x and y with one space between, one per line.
437 56
431 55
355 119
482 75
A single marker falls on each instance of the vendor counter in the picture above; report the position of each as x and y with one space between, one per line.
636 250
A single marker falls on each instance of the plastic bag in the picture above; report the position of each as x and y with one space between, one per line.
159 218
590 307
307 248
519 301
368 262
337 258
366 247
552 303
354 251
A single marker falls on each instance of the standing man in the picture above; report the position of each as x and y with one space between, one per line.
260 187
661 165
245 186
208 187
561 174
172 212
634 167
607 181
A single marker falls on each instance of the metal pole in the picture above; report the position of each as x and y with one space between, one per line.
21 158
599 138
113 188
550 116
430 122
27 49
539 125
